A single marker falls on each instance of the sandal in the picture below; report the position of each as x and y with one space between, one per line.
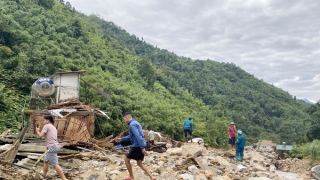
127 178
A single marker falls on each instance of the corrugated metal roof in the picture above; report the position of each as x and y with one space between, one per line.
285 148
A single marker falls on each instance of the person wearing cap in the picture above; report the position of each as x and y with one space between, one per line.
138 145
241 141
188 128
232 135
49 132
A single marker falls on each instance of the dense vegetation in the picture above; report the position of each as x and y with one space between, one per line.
41 37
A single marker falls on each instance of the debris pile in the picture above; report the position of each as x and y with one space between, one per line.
188 161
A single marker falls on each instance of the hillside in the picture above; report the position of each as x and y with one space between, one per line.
159 87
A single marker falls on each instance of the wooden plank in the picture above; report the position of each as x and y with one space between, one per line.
78 135
5 133
77 131
30 161
77 113
36 149
81 135
27 135
72 128
60 126
91 125
11 153
102 143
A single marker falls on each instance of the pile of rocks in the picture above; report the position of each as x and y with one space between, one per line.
188 162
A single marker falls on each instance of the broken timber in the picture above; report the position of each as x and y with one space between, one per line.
11 153
27 148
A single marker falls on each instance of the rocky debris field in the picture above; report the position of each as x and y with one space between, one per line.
191 161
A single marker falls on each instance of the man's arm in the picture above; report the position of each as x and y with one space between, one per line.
191 124
40 134
238 141
126 138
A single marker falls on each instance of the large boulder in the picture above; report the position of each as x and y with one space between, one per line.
191 149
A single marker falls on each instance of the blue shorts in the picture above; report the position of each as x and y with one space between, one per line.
232 140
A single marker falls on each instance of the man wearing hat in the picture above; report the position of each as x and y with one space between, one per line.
232 135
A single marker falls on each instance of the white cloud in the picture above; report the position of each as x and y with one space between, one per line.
277 41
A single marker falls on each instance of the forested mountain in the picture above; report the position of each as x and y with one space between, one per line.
40 37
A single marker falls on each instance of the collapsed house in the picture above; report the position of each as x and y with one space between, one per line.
74 120
57 95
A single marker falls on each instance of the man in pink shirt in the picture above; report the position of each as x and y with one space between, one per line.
49 132
232 135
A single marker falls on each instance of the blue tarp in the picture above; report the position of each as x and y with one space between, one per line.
121 147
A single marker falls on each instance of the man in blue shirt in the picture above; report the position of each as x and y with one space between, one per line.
138 145
188 128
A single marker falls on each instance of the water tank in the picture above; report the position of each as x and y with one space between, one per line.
43 87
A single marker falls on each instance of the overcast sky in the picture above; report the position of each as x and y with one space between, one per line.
275 40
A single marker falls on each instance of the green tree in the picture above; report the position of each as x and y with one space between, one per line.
147 71
287 132
46 3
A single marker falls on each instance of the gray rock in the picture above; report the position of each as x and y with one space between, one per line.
186 176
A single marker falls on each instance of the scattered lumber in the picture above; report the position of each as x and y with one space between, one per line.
30 148
86 156
102 143
10 154
5 133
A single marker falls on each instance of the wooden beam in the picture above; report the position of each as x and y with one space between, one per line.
36 149
11 153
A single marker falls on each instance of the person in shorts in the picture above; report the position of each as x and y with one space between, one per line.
138 145
49 132
232 136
